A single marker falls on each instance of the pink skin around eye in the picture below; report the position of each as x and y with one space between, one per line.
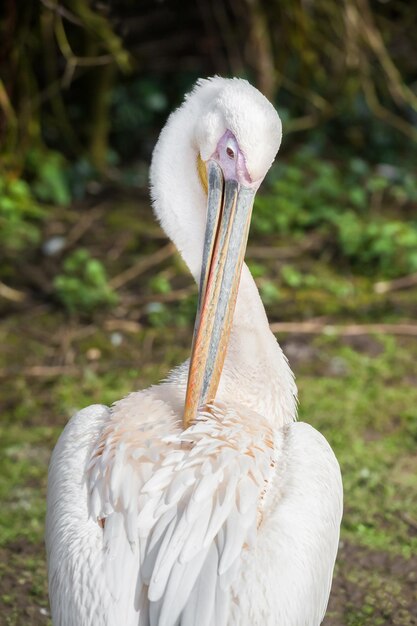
230 158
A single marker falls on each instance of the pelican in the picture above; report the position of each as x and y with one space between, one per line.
200 501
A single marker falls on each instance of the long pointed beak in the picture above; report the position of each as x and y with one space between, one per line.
229 210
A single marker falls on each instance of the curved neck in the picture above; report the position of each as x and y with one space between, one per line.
179 199
253 355
256 372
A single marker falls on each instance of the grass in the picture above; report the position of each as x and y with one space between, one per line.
368 412
363 403
361 393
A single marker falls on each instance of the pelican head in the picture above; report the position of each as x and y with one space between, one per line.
227 135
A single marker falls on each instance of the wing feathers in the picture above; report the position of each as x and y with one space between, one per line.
180 585
179 510
194 540
200 605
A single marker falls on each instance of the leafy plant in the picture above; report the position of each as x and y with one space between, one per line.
160 284
83 285
48 170
20 215
346 208
131 124
179 314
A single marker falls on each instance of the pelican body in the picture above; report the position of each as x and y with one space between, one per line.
200 501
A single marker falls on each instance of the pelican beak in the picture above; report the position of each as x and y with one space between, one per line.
229 210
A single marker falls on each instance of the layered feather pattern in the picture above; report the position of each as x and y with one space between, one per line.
178 510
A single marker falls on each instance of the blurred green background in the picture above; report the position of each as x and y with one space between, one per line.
94 302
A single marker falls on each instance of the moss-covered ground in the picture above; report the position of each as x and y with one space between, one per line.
360 392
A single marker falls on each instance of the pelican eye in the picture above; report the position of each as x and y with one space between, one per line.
230 153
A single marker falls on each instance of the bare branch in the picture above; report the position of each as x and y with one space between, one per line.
142 265
347 330
398 283
8 293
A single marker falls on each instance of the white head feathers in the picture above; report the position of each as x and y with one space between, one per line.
233 104
195 128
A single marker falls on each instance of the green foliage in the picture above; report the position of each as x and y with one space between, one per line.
49 172
343 206
176 315
269 291
20 215
83 286
160 284
131 123
21 211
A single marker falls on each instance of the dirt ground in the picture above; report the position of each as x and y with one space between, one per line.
385 585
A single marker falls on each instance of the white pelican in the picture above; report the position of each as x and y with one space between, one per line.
200 501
